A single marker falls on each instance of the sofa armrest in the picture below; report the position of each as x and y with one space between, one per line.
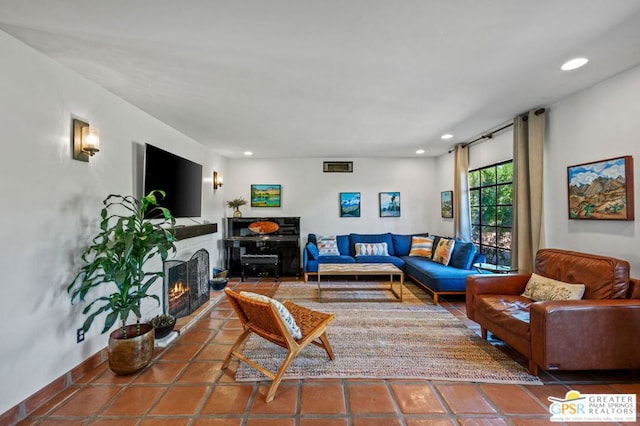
493 284
310 252
601 334
634 289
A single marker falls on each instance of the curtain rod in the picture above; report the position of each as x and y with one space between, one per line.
493 132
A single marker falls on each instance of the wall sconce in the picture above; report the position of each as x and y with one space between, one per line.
217 180
85 140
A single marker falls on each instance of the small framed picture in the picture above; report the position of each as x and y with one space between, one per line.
265 195
389 204
349 204
446 204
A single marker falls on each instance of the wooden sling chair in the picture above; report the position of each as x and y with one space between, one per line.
263 319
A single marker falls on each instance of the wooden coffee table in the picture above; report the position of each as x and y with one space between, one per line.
361 269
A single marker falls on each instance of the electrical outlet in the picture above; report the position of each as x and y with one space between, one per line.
80 335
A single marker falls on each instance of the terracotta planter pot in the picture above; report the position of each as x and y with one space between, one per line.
126 356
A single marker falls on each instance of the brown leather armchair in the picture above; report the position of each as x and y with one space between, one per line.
600 331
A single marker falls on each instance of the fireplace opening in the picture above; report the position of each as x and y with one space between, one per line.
186 284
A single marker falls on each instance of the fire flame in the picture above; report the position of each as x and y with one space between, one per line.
177 290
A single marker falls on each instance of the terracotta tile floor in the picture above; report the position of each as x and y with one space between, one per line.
184 386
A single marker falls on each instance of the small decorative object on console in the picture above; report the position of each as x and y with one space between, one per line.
235 204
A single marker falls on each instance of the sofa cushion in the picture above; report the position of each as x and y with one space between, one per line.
312 251
463 255
443 251
509 312
336 259
371 249
421 246
397 261
371 238
541 288
436 276
327 245
284 313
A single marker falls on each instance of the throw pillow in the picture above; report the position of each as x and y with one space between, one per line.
371 249
443 251
421 246
541 288
288 320
328 245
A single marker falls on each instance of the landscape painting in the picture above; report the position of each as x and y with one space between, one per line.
446 204
601 190
349 204
389 204
265 195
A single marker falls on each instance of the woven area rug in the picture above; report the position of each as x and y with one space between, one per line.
414 339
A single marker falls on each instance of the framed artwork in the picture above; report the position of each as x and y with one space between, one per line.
446 204
389 204
601 190
265 195
349 204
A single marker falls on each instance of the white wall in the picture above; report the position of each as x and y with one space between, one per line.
314 196
595 124
50 206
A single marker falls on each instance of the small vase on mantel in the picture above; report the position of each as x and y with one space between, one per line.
237 212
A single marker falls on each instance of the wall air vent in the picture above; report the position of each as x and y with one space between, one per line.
337 166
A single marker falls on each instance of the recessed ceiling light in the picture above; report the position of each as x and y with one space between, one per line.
420 151
573 64
446 136
248 153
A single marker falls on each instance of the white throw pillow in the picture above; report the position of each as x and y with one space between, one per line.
371 249
541 288
289 321
327 245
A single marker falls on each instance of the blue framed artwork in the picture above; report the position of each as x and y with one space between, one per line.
389 204
349 204
265 195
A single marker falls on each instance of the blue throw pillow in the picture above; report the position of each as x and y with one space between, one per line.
462 256
312 250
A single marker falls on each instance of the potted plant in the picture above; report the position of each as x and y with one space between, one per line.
235 204
163 325
132 231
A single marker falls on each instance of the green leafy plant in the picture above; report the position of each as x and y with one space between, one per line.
132 231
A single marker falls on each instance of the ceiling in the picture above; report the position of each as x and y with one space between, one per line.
332 78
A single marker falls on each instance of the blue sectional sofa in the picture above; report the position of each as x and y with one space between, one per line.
437 278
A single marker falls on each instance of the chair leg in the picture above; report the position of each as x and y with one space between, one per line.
278 378
483 333
327 346
533 368
239 341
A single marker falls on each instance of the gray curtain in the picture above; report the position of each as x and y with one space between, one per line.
461 215
528 218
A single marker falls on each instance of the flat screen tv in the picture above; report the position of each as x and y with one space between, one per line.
180 178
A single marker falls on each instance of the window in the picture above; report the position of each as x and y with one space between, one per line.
491 203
